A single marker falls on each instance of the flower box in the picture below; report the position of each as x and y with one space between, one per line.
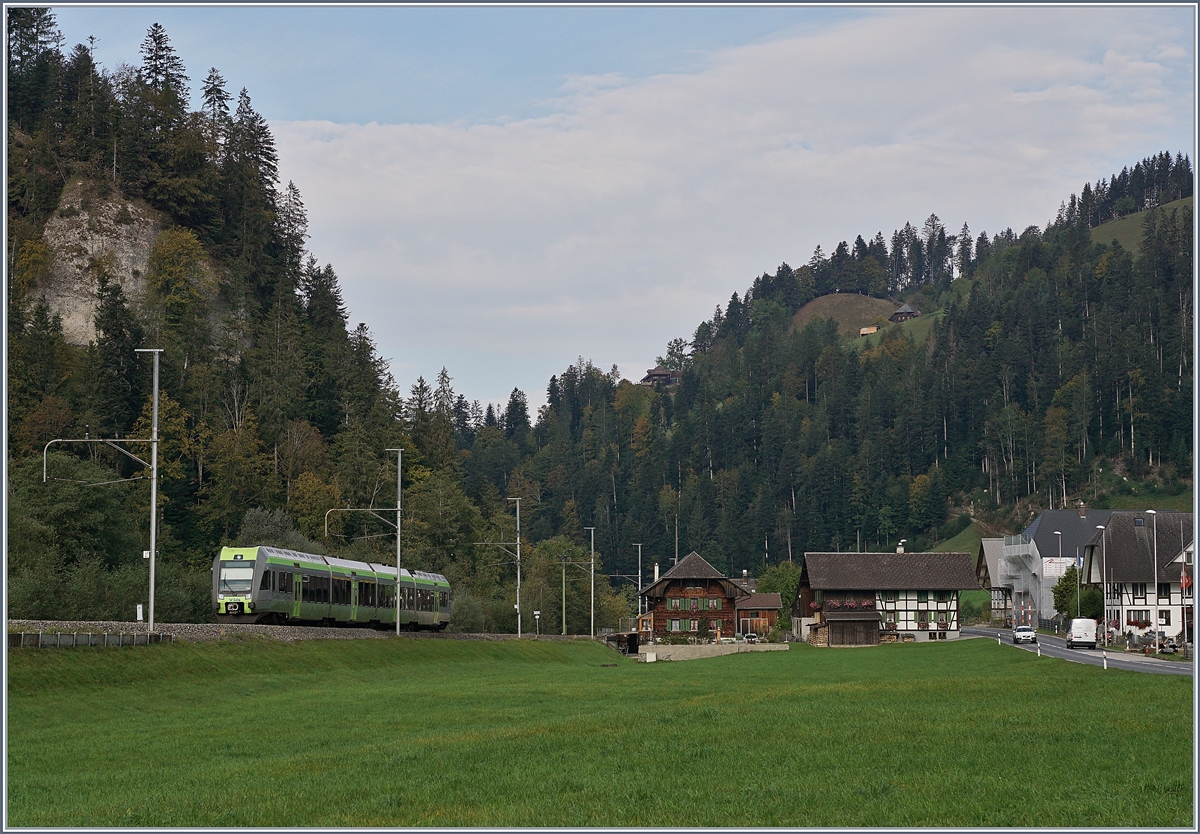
923 625
944 625
891 626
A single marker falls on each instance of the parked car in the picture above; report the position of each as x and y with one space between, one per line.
1081 632
1024 634
752 637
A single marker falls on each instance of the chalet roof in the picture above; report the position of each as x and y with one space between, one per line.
890 571
904 308
988 563
1128 547
766 601
693 566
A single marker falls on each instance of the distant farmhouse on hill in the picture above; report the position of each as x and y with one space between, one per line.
904 313
658 375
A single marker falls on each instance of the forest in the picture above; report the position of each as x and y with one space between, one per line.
1056 369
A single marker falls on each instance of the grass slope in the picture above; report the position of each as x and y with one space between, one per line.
1128 229
850 310
464 733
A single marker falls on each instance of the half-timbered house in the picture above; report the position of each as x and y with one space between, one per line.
1120 560
868 598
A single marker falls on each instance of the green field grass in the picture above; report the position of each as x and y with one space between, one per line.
1128 229
851 311
480 733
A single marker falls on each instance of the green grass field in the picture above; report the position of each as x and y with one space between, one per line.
1128 229
480 733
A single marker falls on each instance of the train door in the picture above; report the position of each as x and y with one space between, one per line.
297 584
354 601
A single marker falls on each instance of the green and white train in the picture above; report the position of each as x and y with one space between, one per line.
272 585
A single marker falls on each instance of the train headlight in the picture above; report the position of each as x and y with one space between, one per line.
220 596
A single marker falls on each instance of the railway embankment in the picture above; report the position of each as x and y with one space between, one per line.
207 632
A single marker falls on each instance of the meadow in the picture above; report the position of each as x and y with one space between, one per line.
522 733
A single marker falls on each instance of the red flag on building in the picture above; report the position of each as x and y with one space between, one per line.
1185 581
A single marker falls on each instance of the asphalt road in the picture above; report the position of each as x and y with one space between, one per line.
1117 659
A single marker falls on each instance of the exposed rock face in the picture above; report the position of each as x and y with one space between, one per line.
92 220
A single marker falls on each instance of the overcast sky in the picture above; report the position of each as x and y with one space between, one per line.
503 190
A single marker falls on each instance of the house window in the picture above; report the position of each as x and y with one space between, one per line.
922 596
889 596
675 604
1139 590
695 625
1164 591
695 604
673 626
891 616
922 616
1164 617
713 625
1114 592
1134 616
942 596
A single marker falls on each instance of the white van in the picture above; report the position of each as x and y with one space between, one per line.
1081 633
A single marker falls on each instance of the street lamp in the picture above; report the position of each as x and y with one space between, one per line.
1154 513
537 619
1104 579
399 501
639 547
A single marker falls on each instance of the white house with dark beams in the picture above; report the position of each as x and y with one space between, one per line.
1121 559
869 598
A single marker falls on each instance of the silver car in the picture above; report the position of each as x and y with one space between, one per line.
1024 634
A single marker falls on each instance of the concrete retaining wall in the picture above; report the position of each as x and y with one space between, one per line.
665 652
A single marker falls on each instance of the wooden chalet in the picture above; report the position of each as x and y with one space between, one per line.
861 599
660 375
903 313
691 598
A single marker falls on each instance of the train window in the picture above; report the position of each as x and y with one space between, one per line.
236 578
285 582
265 585
366 594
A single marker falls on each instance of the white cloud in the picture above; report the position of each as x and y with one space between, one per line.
503 251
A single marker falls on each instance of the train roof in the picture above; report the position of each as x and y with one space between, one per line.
292 555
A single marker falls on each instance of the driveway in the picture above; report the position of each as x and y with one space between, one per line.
1117 659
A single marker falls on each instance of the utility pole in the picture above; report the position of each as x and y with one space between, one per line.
399 459
374 512
153 477
518 500
153 466
593 531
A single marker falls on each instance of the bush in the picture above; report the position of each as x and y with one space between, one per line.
466 615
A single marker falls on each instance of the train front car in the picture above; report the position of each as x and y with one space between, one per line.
235 574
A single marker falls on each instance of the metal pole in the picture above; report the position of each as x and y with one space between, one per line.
640 612
564 608
1154 622
518 500
1103 578
399 504
593 529
153 478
